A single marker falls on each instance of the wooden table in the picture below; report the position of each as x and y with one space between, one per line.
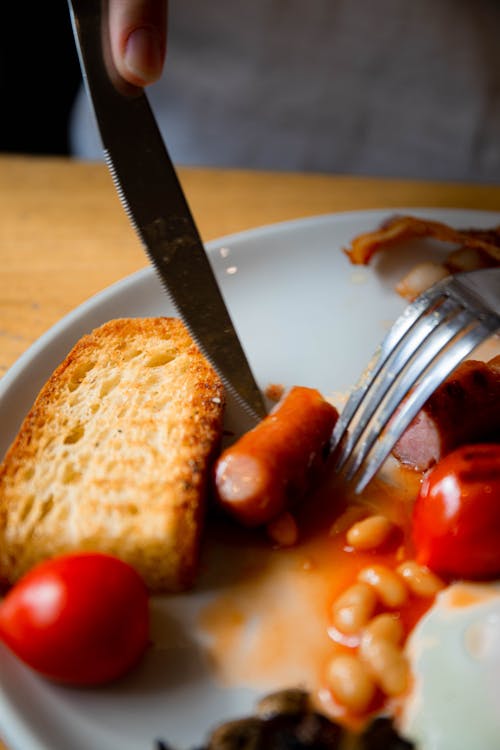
64 235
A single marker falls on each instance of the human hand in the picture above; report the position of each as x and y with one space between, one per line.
138 31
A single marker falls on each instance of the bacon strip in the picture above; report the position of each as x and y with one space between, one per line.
399 228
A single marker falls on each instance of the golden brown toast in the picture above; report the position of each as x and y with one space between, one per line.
114 455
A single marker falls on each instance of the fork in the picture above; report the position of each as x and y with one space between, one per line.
431 337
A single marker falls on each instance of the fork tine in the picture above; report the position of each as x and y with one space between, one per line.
407 374
410 316
402 351
436 374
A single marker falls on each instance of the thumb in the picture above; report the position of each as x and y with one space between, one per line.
138 33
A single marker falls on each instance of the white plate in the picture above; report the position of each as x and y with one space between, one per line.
305 316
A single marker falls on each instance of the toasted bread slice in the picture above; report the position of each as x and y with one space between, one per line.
114 455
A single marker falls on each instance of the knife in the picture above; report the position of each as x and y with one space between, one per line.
152 196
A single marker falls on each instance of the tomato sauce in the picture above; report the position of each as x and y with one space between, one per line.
270 624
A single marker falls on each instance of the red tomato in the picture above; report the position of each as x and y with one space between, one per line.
81 619
456 518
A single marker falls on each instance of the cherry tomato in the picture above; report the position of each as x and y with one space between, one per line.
81 619
456 518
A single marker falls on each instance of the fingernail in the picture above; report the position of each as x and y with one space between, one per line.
143 55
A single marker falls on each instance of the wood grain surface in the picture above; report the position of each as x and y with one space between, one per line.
64 235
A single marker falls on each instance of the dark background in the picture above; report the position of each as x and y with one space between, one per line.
39 76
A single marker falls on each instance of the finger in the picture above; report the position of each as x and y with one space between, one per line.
138 32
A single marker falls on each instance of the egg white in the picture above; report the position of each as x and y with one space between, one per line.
454 652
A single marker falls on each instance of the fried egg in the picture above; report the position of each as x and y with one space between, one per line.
454 652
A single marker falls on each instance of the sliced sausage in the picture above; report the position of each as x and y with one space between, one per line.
271 466
464 409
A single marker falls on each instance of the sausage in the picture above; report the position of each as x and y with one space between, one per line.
271 466
465 408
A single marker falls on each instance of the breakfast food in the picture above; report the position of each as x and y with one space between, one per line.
474 249
92 629
456 516
114 455
365 575
486 243
287 719
454 654
270 467
465 408
340 604
420 278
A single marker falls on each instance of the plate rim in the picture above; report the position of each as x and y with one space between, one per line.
211 246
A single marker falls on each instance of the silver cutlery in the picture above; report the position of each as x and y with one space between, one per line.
431 337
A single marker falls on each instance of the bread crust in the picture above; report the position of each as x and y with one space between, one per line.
115 454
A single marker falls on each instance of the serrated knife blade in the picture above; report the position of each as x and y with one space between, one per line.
152 196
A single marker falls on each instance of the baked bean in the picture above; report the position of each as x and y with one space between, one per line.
283 530
389 587
420 580
386 627
370 533
354 608
351 683
420 278
387 665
